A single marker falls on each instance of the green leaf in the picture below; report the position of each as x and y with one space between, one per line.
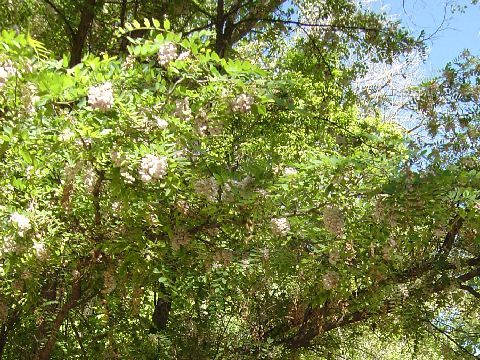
166 24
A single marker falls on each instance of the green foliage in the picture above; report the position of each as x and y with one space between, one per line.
172 203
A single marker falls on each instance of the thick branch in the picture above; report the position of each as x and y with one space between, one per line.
471 290
78 42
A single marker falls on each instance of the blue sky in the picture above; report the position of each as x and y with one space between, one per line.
460 30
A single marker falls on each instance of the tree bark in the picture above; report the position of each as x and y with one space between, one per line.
78 42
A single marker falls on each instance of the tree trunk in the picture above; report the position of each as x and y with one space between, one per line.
88 14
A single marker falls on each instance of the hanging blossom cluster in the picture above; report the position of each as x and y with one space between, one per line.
207 188
152 168
388 249
41 251
8 245
180 238
3 312
101 96
109 281
182 207
289 171
204 126
242 103
333 220
330 280
167 53
22 222
280 226
162 124
89 178
118 159
333 256
182 109
6 70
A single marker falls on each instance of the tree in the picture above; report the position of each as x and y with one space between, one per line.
175 203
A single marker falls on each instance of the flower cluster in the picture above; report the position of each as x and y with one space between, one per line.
101 96
167 53
7 246
387 249
182 109
289 171
109 281
41 252
330 279
3 312
242 103
203 126
118 159
180 238
207 188
89 178
333 256
161 123
129 62
333 220
22 222
6 70
152 168
29 97
182 207
280 226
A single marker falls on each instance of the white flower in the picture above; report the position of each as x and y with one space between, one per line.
289 171
101 96
152 168
9 245
242 103
330 279
6 70
129 62
280 226
89 178
162 124
333 256
184 55
182 109
3 77
167 53
333 220
41 252
201 126
109 281
66 135
182 207
207 188
117 158
22 222
129 179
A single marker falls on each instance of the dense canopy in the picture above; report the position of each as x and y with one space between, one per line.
186 180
